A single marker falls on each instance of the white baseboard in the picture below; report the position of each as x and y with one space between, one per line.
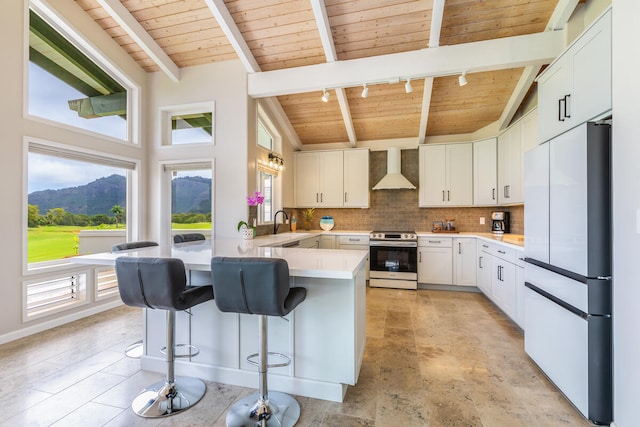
30 330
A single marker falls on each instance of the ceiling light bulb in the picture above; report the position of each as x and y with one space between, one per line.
365 91
407 86
462 80
325 96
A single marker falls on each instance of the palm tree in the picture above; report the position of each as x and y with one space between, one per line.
117 211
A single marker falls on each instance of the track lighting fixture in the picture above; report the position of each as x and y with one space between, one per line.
325 95
365 91
407 86
462 80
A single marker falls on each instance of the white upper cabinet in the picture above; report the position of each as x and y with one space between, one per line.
446 175
485 172
512 144
577 86
332 179
356 179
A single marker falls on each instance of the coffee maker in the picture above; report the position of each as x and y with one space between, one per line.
499 222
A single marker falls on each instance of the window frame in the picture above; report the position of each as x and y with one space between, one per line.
167 112
132 200
63 27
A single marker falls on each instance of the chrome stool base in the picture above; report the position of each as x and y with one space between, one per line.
162 399
283 408
135 350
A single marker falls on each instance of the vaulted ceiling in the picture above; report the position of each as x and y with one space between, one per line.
294 50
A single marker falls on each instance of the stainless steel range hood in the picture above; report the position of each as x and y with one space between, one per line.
394 180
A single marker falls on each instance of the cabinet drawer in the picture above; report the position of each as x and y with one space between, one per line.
502 252
438 242
484 246
353 240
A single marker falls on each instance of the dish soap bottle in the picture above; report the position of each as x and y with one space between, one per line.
294 225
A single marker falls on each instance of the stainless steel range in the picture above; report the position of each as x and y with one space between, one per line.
393 257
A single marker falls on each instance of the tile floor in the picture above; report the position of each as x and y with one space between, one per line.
433 358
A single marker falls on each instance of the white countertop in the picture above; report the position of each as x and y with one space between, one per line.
317 263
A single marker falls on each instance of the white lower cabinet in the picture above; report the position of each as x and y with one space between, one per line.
464 261
503 286
435 261
501 278
484 268
327 242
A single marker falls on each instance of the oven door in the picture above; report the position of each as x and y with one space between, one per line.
394 260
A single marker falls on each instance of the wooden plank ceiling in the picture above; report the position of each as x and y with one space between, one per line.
282 34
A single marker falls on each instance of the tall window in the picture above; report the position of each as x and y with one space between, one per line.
67 86
265 184
191 192
265 139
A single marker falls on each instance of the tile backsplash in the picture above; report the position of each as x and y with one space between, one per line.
398 209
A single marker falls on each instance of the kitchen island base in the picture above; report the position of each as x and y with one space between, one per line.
324 336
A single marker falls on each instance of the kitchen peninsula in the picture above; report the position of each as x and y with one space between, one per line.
324 335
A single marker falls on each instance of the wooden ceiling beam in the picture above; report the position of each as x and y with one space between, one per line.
324 28
130 24
437 13
488 55
231 30
561 14
424 112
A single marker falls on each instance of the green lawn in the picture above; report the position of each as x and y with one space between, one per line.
47 243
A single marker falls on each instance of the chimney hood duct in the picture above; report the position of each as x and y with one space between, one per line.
393 180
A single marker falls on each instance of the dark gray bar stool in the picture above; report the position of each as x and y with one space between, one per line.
161 283
258 286
136 349
188 237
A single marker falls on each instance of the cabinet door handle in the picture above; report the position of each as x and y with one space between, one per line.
501 252
321 194
504 191
345 197
317 200
493 194
443 195
435 241
480 262
459 248
419 256
560 114
567 112
448 198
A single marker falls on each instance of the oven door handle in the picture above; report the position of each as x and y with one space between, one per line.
393 244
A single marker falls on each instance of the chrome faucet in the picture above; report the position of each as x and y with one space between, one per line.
275 224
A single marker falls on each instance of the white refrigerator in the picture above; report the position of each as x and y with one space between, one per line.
568 272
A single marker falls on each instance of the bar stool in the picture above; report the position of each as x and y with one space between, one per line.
258 286
136 349
188 237
160 283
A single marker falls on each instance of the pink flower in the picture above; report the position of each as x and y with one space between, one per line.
256 199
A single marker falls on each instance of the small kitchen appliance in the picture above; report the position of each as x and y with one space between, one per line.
499 222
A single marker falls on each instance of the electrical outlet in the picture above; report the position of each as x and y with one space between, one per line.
481 220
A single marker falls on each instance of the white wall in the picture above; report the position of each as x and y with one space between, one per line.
224 84
15 126
626 213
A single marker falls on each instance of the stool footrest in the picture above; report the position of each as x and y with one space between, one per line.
287 359
192 350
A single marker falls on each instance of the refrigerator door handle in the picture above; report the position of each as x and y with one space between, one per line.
557 301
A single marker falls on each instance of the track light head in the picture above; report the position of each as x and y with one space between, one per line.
462 80
407 86
365 91
325 95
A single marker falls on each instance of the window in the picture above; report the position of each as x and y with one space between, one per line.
264 136
265 186
188 124
191 192
67 86
70 191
